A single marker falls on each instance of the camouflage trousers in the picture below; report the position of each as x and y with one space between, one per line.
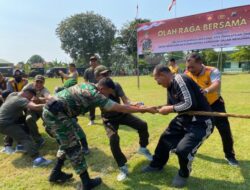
67 132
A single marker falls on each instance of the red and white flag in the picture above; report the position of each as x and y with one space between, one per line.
171 5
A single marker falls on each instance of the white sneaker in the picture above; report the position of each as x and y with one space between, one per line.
123 173
146 153
8 150
91 123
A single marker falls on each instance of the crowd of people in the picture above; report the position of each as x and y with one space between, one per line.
197 89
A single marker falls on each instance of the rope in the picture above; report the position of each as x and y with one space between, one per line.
216 114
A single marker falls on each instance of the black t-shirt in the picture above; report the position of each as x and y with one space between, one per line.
116 97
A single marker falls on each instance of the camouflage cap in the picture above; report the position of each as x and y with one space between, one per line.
94 57
39 78
100 70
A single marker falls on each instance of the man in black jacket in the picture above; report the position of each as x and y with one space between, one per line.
185 133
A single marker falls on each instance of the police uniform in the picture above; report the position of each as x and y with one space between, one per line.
207 76
17 86
175 69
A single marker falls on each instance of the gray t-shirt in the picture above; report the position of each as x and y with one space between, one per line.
89 75
44 92
12 109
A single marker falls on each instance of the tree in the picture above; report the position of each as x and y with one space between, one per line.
85 34
150 60
213 58
242 53
209 56
35 59
128 37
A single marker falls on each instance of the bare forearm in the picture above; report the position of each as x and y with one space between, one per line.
125 108
39 107
35 107
125 100
213 87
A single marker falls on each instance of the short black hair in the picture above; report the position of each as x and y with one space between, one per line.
196 56
172 60
72 65
107 82
30 90
17 71
161 68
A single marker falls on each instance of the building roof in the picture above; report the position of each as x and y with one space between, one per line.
5 63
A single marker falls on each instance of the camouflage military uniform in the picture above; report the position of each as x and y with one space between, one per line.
78 130
75 100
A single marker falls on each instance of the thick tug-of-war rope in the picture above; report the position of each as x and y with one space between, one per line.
217 114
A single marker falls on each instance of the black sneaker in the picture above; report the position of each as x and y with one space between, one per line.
150 169
179 181
92 183
59 177
232 161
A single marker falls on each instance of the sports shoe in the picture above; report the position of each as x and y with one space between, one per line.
232 161
123 173
91 123
85 151
59 177
40 143
150 169
179 181
146 153
8 150
20 149
92 183
87 182
40 161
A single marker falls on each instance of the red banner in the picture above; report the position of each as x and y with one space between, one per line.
222 28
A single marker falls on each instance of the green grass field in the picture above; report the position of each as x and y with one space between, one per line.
210 170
